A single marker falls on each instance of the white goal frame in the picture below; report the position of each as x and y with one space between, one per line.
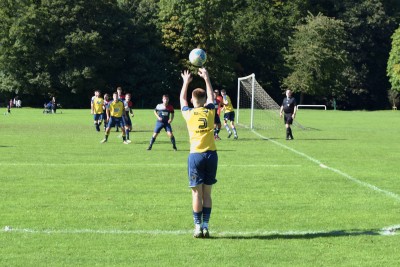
253 76
258 99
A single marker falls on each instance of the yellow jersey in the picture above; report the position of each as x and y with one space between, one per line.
200 124
116 109
98 103
228 107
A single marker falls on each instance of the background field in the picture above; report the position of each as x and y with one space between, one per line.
330 197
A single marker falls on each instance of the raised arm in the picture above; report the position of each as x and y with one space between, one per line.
187 78
203 73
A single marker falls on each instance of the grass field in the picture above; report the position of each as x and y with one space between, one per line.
331 197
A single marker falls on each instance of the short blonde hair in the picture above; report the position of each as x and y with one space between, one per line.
199 94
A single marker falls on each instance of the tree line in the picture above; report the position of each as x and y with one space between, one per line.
322 50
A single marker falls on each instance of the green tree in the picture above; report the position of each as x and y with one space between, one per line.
369 29
393 65
261 30
61 47
316 57
187 24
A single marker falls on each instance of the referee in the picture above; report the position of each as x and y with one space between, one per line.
289 107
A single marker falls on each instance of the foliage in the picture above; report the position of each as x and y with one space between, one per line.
316 57
68 48
201 24
393 65
262 29
394 97
369 29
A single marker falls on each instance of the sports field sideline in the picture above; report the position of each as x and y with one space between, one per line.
331 197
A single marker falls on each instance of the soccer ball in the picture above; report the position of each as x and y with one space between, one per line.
197 57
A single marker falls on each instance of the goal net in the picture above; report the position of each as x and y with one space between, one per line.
256 109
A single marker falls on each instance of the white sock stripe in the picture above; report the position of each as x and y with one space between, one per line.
370 186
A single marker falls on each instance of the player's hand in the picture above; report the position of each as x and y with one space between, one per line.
203 73
132 115
186 76
169 121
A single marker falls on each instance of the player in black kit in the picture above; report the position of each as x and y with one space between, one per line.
289 107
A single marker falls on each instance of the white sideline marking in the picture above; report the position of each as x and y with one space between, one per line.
389 230
141 164
370 186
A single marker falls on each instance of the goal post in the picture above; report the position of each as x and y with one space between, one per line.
252 77
256 109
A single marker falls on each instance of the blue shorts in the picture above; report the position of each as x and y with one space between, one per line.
128 121
97 117
217 120
160 125
114 121
202 168
229 116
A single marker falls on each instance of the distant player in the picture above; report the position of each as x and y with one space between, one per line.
96 105
217 120
106 102
121 97
203 158
229 114
9 106
128 112
164 113
289 107
115 112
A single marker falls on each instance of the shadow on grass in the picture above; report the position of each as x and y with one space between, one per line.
330 234
6 146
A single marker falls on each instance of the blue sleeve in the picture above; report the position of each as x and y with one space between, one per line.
210 106
185 108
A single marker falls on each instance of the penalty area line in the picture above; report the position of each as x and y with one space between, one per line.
320 164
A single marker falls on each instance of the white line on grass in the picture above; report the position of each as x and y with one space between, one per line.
370 186
389 230
140 164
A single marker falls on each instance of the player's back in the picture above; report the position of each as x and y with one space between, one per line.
200 124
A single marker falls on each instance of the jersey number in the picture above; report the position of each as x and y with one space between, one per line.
203 123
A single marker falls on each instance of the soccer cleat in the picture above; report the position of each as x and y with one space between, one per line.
229 134
206 234
103 141
125 142
149 148
235 137
128 141
175 149
198 233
